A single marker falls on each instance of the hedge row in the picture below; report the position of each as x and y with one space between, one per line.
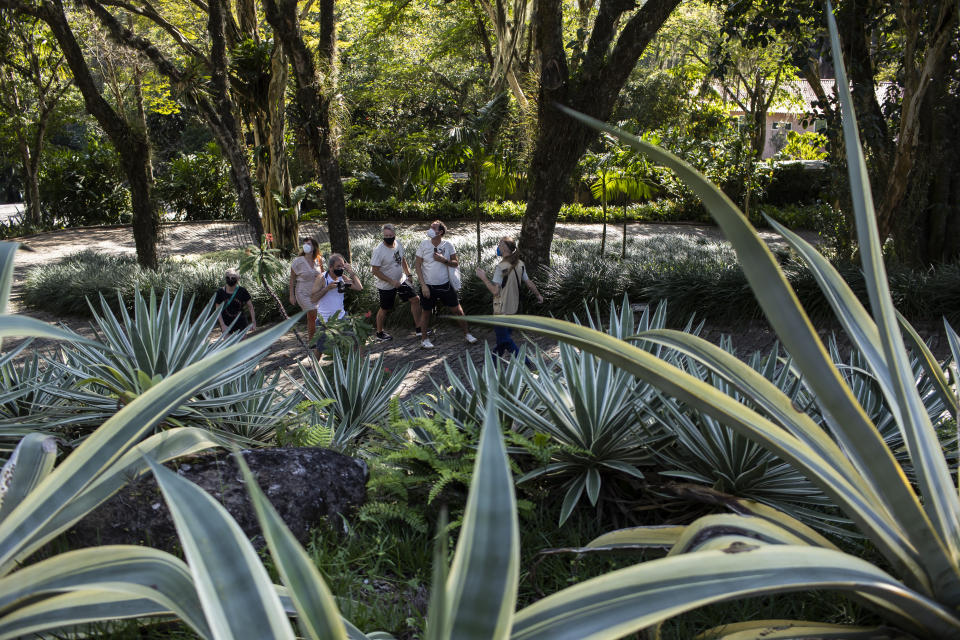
794 216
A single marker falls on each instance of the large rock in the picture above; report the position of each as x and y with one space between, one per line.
307 486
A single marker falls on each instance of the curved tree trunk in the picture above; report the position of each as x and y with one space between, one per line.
315 88
281 224
130 142
592 89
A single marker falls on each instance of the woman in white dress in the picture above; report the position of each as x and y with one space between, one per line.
303 271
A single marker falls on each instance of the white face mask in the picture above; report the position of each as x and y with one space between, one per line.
431 233
308 248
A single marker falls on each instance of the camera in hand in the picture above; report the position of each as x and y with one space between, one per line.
340 286
437 250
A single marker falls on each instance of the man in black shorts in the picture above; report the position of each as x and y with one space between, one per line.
393 280
435 257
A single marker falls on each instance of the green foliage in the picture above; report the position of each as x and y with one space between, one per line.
804 146
305 427
360 388
136 352
417 466
702 277
64 288
85 186
39 500
27 397
196 186
463 399
341 335
661 210
913 525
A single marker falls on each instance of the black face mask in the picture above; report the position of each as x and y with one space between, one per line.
231 281
338 272
388 241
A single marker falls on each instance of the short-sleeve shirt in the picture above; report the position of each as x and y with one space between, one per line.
234 309
434 272
390 261
503 268
332 301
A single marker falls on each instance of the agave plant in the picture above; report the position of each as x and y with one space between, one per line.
247 409
464 399
360 388
28 403
134 353
40 500
707 452
473 598
916 528
595 414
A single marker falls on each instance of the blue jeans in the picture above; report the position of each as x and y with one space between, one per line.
505 341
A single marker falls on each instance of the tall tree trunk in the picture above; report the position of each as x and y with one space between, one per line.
225 118
941 34
146 219
282 224
132 144
219 115
315 89
593 90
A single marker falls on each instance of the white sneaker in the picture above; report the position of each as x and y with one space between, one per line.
426 344
470 338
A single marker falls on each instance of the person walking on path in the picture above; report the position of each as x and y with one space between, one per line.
505 287
435 257
304 270
231 299
393 279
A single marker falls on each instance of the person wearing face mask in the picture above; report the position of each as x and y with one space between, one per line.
392 280
328 288
435 257
505 287
231 299
303 272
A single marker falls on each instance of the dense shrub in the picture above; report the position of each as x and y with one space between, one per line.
197 186
63 288
702 277
664 210
84 187
798 182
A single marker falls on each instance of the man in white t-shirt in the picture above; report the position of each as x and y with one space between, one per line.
435 257
393 280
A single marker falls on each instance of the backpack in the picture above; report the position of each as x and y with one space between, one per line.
507 302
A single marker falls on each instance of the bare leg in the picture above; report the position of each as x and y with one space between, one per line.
311 324
416 311
381 318
458 311
425 321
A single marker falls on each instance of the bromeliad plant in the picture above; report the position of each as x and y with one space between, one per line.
916 527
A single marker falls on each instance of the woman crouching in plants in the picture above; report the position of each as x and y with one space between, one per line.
327 294
505 287
304 271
